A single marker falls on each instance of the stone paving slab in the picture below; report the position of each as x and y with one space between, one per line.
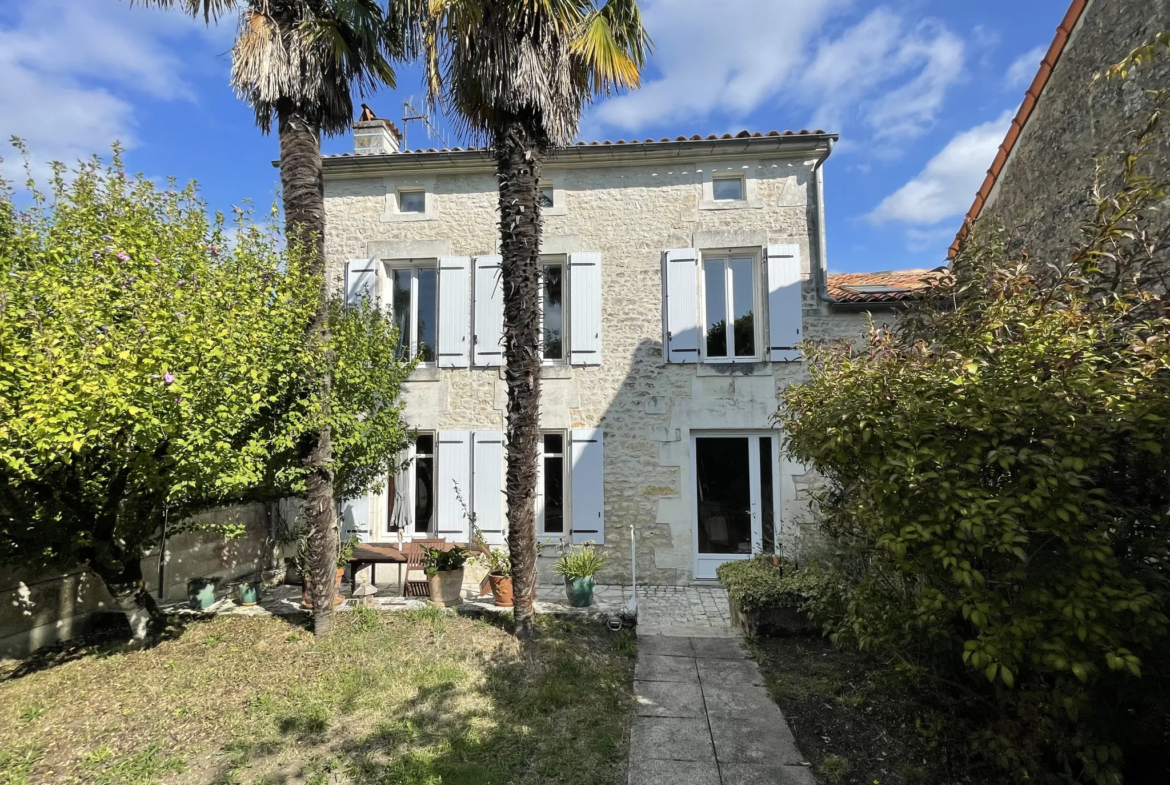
665 645
671 738
668 699
656 667
756 774
673 772
718 648
740 700
730 672
748 739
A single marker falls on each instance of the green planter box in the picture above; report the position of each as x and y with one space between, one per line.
580 591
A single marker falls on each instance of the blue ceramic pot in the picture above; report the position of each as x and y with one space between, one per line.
580 591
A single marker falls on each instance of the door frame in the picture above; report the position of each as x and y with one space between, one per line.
753 435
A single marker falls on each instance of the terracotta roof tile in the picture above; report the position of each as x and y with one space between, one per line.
883 287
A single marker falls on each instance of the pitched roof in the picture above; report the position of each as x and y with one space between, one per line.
607 143
1031 97
890 286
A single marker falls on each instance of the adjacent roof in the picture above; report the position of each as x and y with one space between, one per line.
890 286
1025 111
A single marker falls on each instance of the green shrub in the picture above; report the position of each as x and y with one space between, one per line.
758 585
579 561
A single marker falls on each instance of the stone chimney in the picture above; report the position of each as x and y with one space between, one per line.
373 135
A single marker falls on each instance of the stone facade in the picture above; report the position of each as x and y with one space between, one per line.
629 203
1044 190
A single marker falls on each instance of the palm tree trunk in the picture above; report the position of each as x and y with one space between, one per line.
304 215
518 159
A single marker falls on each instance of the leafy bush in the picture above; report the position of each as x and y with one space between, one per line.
579 561
758 585
498 561
438 560
997 484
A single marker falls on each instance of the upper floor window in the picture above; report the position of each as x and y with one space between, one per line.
727 189
547 196
729 301
554 343
412 201
414 307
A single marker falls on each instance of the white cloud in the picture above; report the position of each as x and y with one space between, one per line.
73 69
947 185
728 57
1023 69
884 72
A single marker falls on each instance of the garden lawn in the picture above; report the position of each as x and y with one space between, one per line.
426 697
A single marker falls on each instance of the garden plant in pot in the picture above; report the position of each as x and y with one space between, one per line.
499 567
444 571
577 566
301 562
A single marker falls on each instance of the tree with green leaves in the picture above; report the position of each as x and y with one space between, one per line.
152 366
998 486
298 63
517 74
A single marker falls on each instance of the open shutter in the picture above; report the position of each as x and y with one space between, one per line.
488 348
361 280
681 309
585 309
355 519
785 312
487 464
454 311
588 486
454 470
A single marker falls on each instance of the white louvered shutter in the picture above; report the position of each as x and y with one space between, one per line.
361 280
588 485
487 498
454 311
585 309
488 342
454 470
785 312
355 519
681 309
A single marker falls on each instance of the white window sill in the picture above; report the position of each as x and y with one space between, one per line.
406 217
729 204
741 368
425 374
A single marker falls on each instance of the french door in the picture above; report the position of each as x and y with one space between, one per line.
736 497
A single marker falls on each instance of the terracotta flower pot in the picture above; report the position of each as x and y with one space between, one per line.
446 588
501 589
307 591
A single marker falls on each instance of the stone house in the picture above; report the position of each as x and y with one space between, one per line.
1040 183
679 277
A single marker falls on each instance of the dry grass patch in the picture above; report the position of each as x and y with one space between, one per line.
424 697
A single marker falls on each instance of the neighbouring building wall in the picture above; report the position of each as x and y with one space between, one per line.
647 408
40 608
1044 191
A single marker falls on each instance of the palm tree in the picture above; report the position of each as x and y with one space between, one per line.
298 63
516 74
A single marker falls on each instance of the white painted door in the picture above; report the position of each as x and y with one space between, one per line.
736 494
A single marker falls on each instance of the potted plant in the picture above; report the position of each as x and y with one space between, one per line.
248 593
201 592
444 571
577 566
499 567
301 562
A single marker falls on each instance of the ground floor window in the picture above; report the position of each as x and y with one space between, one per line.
424 483
552 517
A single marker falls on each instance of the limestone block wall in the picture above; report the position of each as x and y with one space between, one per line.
630 212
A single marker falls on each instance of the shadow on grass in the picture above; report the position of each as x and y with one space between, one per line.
558 711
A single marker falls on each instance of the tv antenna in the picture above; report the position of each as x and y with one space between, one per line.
410 114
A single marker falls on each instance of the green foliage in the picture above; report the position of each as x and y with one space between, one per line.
497 560
997 483
438 560
579 561
152 364
758 585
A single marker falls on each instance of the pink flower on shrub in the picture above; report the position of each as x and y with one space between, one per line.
123 256
168 378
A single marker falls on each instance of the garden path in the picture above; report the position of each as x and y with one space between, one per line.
703 716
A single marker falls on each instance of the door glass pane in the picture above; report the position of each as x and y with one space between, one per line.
715 290
723 476
428 298
424 482
554 483
401 309
554 344
743 302
767 508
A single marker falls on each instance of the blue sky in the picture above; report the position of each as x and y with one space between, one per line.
921 92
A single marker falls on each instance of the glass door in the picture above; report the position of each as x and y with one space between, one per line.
735 499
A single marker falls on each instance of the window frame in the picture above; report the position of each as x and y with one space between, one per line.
739 177
725 255
413 266
420 191
566 456
563 261
406 481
